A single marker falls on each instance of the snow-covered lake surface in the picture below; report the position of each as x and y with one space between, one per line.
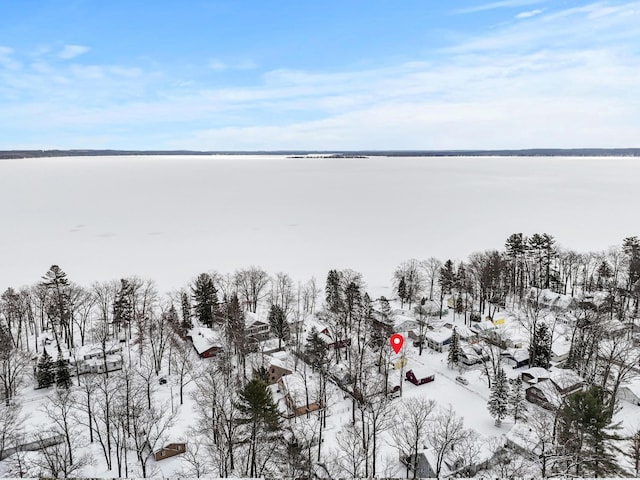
170 218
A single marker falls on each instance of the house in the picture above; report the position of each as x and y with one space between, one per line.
419 376
534 375
549 393
630 392
297 398
566 381
551 300
256 328
277 369
545 394
522 438
170 450
332 343
438 339
468 355
206 342
517 357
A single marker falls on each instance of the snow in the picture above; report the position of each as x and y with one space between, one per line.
204 338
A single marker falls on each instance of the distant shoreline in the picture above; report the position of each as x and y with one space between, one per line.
533 152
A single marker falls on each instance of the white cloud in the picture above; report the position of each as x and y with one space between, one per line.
216 64
500 4
72 51
530 13
566 79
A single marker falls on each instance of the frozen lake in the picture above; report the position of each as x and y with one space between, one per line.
170 218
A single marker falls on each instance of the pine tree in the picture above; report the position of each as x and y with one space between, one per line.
46 373
260 414
186 313
453 357
498 407
122 306
402 291
586 432
205 297
517 404
385 308
63 376
279 324
333 292
540 348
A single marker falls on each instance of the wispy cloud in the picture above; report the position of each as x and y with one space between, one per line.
530 13
72 51
219 65
565 78
499 4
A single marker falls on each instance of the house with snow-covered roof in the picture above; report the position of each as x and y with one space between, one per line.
256 328
545 394
277 369
438 339
206 341
630 392
297 394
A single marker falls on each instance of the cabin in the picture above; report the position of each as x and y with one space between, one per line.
545 298
534 375
294 391
418 377
545 394
517 357
170 450
206 342
566 381
438 339
277 369
256 328
332 343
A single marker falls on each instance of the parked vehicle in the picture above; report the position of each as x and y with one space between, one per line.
394 392
162 381
462 380
418 378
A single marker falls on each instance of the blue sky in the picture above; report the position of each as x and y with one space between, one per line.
331 75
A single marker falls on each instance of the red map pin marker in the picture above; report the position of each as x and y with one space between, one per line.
396 342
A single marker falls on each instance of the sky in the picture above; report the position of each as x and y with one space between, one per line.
331 75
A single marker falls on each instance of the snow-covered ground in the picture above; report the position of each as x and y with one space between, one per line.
170 218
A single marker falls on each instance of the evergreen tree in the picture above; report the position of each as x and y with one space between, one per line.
586 433
540 347
123 306
453 357
517 403
316 350
402 291
186 313
279 324
333 292
46 373
259 414
63 376
385 309
498 400
205 297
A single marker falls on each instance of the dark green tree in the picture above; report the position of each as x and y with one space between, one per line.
279 325
123 306
517 403
453 357
540 347
587 435
186 312
402 291
385 309
46 374
259 414
333 292
57 285
498 399
63 376
205 297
